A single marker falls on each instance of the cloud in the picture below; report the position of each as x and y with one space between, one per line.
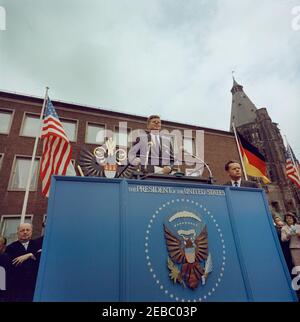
169 57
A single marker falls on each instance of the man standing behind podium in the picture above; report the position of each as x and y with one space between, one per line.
234 171
24 267
154 150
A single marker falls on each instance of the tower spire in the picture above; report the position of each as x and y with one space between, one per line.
243 111
232 72
234 81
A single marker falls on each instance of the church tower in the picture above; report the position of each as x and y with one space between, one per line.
257 127
243 111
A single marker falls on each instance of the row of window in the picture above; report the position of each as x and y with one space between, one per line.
20 171
31 127
95 133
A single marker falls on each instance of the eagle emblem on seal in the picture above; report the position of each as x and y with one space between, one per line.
189 260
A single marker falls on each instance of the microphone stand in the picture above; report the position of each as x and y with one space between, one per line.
123 170
204 163
137 173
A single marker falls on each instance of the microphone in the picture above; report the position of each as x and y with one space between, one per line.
203 162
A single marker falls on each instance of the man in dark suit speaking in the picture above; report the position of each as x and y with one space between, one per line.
154 150
234 171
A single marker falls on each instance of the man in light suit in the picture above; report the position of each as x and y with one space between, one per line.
234 171
154 150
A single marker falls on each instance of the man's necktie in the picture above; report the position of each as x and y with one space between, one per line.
236 184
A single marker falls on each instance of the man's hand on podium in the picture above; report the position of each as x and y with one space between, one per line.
166 169
162 170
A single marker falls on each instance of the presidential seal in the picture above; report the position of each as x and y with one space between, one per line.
189 260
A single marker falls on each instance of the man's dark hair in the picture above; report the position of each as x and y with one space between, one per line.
228 163
290 214
152 117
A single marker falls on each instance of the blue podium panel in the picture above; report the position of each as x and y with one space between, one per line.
256 237
81 249
129 240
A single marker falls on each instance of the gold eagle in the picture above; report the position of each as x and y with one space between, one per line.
189 253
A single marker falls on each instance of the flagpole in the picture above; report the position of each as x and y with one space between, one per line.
240 153
292 157
32 161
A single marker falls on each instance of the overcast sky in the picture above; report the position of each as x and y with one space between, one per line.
167 57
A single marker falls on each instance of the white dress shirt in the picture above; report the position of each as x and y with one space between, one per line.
155 139
26 244
233 183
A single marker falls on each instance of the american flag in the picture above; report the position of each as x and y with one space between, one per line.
292 166
57 149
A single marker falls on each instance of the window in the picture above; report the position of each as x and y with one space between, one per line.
70 128
44 224
173 142
265 154
31 125
258 135
189 145
1 159
121 137
272 176
71 169
5 121
95 133
247 135
9 225
20 171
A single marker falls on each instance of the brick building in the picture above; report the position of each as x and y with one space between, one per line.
85 127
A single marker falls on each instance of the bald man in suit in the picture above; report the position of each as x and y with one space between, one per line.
24 267
234 171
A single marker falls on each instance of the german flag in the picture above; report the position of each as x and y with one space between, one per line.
254 161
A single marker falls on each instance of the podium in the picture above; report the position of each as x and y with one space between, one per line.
159 241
